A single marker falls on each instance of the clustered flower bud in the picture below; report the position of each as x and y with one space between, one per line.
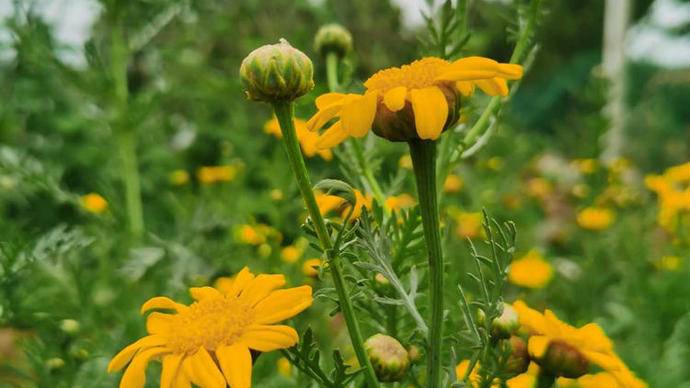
505 324
563 360
518 360
276 72
388 357
333 38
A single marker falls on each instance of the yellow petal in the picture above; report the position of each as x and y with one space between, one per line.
323 116
161 302
510 71
135 375
538 345
430 111
358 114
201 293
493 86
236 363
465 88
158 323
171 368
465 75
471 68
260 287
203 370
332 137
269 338
395 98
328 99
283 304
240 282
530 318
122 358
181 381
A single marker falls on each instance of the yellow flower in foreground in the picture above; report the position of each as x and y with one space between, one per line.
94 203
415 101
453 184
595 218
530 271
398 202
525 380
307 139
552 342
179 177
598 380
208 343
215 174
328 203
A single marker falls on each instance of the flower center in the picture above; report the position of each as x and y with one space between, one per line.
210 323
416 75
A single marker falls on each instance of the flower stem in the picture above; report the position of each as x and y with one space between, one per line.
332 71
423 155
285 113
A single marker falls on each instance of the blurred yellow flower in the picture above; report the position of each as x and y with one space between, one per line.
673 192
554 344
94 203
328 203
585 166
531 270
310 267
306 138
452 184
539 188
179 177
669 263
209 342
469 225
595 218
495 163
284 367
290 254
398 202
214 174
276 194
253 235
405 162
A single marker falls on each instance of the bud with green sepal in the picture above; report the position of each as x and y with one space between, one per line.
333 38
518 359
505 324
388 357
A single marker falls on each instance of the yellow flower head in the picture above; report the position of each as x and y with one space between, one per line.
598 380
461 370
307 139
530 271
673 191
469 224
215 174
398 202
94 203
595 218
585 166
253 235
452 184
310 268
208 343
415 101
669 263
588 344
290 254
539 188
328 203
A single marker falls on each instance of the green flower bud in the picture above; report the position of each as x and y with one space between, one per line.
505 324
333 38
563 360
518 360
276 72
69 326
388 356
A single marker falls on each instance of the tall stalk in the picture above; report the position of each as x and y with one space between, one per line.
423 155
285 113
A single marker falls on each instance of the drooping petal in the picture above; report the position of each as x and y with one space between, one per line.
163 303
471 68
240 282
325 100
530 318
181 381
323 116
510 71
358 114
332 137
267 338
158 323
283 304
537 345
493 86
395 98
465 88
122 358
236 363
261 286
465 75
430 111
201 293
171 367
135 374
203 370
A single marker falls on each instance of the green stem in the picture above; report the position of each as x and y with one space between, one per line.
285 113
332 71
545 380
127 136
423 155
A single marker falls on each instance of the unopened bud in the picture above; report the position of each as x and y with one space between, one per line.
518 360
388 357
561 359
333 38
505 324
276 72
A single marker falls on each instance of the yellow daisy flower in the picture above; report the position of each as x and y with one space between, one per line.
214 174
469 224
452 184
415 101
208 343
94 203
595 218
565 350
307 139
290 254
530 271
398 202
598 380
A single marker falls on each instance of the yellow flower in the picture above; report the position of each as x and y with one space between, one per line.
527 379
253 235
415 101
469 224
215 174
461 369
539 188
585 166
328 203
588 344
276 194
530 271
595 218
94 203
398 202
307 139
669 263
452 184
673 191
290 254
405 162
179 177
208 343
598 380
284 367
310 267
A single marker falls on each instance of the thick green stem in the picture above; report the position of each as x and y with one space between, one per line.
423 155
332 71
285 113
127 139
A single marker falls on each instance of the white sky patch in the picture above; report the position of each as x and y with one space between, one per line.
650 39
